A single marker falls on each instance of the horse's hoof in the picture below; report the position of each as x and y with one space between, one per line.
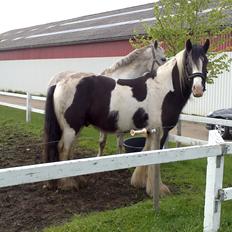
139 177
81 181
67 184
164 190
50 185
137 183
72 183
149 190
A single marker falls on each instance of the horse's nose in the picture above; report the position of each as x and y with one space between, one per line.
197 91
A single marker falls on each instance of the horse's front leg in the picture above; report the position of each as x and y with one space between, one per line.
102 142
64 147
139 176
153 170
120 142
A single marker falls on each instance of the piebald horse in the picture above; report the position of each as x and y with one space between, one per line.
150 101
135 64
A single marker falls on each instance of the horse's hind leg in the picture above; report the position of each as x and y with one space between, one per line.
139 176
102 142
64 147
65 144
163 189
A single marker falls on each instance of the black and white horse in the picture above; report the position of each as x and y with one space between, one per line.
116 106
135 64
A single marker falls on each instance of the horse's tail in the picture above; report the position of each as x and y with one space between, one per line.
52 130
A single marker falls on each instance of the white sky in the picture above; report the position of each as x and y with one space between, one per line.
24 13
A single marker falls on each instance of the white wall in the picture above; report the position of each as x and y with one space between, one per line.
217 96
34 75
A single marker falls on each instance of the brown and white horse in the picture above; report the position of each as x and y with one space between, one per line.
135 64
120 105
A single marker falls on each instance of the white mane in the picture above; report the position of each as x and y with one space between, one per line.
180 58
128 59
165 70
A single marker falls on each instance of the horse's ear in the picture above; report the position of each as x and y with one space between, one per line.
156 44
188 45
206 45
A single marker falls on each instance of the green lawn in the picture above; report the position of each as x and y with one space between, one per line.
181 211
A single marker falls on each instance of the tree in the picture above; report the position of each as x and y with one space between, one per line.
178 20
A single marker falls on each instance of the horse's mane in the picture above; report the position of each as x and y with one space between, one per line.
177 60
180 59
128 59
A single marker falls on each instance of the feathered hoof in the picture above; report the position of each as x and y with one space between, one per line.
68 184
81 181
139 177
50 185
164 190
138 183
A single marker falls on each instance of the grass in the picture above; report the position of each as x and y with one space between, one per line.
181 211
15 121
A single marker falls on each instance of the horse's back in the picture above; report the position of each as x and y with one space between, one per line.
67 75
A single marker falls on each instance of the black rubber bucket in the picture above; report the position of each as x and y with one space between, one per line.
134 144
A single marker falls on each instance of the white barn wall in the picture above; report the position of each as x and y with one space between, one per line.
33 75
217 96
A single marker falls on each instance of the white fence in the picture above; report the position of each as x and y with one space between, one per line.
215 151
214 193
27 106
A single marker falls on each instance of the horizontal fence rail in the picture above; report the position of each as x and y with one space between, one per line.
225 194
55 170
186 140
205 120
38 98
13 106
13 94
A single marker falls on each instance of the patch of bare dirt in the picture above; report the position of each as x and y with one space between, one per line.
32 208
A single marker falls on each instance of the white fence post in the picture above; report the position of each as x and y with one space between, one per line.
28 110
178 132
214 180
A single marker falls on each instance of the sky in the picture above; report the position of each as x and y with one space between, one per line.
24 13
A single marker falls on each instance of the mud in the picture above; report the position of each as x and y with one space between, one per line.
30 207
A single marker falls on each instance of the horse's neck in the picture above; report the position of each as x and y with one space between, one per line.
131 71
135 68
177 96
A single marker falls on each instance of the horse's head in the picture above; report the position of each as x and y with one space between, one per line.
195 67
158 56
